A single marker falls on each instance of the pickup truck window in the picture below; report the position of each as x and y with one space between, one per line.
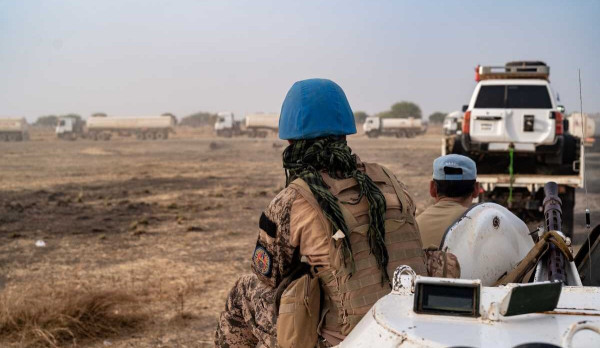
513 97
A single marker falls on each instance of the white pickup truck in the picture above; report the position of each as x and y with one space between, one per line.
513 107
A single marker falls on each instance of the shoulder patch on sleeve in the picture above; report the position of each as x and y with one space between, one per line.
267 225
262 260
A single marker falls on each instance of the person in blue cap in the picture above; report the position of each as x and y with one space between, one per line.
454 186
340 223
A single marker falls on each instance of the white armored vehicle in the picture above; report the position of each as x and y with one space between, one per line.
514 292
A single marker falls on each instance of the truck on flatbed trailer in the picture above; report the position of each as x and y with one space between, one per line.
13 129
257 125
515 133
103 128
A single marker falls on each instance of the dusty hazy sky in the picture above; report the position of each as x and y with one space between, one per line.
149 57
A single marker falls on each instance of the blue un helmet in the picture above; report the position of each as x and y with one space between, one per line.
315 108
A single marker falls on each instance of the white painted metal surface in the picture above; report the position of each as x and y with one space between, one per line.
577 124
488 241
270 121
393 323
13 125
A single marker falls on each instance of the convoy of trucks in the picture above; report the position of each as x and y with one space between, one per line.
103 128
257 125
13 129
410 127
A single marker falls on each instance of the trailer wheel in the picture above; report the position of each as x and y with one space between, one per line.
568 208
372 134
160 136
106 136
149 136
12 137
3 137
139 136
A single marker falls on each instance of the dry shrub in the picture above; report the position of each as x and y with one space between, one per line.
54 318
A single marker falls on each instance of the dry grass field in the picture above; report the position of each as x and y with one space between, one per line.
144 239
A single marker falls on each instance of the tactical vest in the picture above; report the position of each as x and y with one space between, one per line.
347 297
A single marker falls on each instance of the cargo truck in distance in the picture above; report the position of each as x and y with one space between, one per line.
375 126
257 125
14 129
103 128
591 135
515 133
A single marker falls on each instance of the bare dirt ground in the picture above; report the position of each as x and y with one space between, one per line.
173 222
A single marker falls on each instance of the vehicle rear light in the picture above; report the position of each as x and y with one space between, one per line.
466 126
477 77
558 119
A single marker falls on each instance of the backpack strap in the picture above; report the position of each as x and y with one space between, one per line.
398 189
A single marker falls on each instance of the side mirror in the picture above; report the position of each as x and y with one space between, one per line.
561 109
464 108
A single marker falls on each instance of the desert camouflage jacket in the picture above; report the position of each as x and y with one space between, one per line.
273 256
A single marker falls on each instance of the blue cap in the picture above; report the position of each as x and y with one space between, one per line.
454 167
315 108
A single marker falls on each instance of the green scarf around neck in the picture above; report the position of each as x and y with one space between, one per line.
305 159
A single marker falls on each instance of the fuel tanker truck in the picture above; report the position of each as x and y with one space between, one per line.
375 126
257 125
513 291
13 129
103 128
585 129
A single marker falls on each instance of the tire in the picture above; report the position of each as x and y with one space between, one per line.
161 135
139 136
458 147
3 137
106 136
149 136
13 137
568 211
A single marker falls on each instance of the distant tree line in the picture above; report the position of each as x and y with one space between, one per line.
437 117
199 119
403 109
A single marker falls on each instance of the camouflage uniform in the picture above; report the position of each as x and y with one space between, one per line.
249 298
250 318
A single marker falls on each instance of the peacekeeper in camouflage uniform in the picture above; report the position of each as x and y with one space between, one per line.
352 222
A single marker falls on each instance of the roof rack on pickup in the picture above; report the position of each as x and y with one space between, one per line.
513 70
